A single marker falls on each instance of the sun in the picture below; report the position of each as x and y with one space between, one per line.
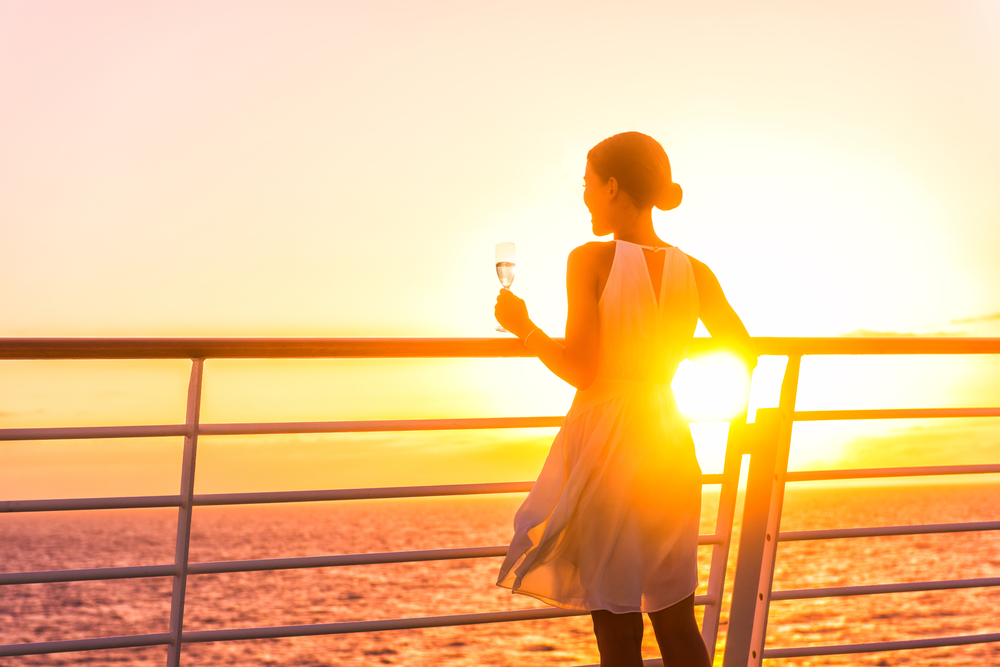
714 388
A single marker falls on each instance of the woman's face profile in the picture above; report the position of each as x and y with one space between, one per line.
597 199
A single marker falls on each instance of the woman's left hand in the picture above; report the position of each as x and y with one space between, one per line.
512 314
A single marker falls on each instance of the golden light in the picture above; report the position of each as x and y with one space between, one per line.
715 387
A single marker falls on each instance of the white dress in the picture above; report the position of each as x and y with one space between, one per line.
612 521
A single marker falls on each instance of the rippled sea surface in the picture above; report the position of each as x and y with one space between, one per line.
46 541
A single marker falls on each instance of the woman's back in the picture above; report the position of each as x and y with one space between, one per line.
645 328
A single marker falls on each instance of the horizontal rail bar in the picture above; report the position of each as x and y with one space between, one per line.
390 425
257 348
264 564
273 428
92 574
92 644
348 627
213 499
885 531
276 428
875 647
378 493
65 504
869 473
317 348
881 589
143 502
379 425
895 413
340 560
92 432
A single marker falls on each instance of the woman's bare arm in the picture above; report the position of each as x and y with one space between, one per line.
576 361
719 317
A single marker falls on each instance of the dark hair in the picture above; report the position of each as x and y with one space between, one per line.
641 167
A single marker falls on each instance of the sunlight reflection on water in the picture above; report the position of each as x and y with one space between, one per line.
100 539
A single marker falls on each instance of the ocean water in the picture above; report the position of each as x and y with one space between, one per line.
44 541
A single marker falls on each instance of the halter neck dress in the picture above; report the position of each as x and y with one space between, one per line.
612 521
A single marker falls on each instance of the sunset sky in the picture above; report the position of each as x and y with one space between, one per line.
345 169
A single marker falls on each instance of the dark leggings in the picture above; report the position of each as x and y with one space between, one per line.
619 637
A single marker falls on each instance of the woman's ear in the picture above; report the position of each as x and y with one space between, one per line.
612 186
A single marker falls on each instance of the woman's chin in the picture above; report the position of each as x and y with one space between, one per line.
598 229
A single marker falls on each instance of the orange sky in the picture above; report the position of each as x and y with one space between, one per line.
328 169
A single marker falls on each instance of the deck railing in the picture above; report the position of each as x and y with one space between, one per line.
766 440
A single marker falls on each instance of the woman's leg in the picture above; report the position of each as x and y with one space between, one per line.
677 634
619 638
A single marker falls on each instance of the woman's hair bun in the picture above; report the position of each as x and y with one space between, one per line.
670 197
641 167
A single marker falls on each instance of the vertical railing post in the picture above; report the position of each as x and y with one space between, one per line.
724 526
184 513
769 446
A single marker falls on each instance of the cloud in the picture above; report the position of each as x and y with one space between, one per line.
960 442
870 332
995 317
980 318
9 414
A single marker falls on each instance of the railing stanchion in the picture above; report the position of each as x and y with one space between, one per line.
184 514
786 408
770 438
724 526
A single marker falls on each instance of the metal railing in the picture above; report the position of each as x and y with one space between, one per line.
767 442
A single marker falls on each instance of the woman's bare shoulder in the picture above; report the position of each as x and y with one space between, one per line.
701 270
709 289
593 252
588 266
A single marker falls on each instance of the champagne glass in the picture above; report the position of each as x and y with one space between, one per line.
506 257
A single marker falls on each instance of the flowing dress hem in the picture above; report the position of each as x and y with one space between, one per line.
616 610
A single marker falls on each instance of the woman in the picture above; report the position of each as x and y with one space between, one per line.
611 525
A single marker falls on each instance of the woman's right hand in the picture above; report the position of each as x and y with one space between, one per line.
512 314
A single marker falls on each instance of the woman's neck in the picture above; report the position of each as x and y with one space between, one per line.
639 230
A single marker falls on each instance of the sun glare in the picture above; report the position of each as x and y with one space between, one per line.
713 388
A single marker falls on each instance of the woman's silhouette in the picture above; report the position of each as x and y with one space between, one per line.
611 525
